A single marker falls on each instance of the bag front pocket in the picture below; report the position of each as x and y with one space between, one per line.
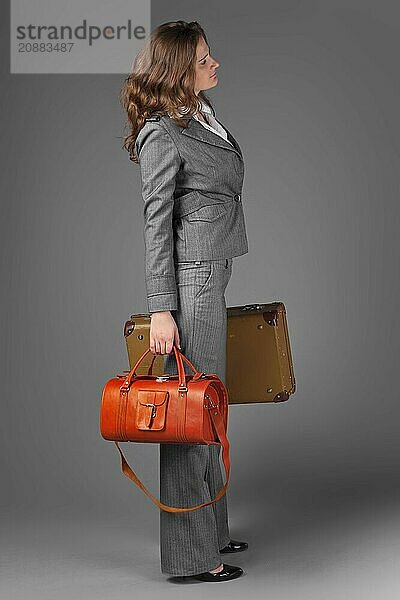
151 409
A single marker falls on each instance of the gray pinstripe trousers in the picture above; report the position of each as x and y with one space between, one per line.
191 474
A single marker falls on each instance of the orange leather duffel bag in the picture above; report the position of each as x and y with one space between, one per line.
166 409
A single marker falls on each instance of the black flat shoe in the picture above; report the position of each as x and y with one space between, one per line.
234 546
228 572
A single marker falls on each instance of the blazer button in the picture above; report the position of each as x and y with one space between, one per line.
236 197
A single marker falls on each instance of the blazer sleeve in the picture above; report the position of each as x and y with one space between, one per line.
159 162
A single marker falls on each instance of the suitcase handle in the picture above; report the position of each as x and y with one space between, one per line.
252 307
220 430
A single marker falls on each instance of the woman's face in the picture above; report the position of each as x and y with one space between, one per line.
206 66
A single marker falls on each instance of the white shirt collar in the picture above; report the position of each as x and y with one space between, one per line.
205 108
217 128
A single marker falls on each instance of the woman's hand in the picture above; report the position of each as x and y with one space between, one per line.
163 333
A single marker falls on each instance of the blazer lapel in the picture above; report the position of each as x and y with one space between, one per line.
196 130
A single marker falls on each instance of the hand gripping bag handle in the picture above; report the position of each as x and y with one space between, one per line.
219 426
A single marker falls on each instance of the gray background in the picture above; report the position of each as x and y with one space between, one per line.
311 90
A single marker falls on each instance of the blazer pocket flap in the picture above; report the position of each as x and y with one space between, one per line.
207 213
193 201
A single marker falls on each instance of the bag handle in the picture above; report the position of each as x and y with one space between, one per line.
187 361
179 357
219 426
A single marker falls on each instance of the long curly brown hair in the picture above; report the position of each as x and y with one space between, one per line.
162 79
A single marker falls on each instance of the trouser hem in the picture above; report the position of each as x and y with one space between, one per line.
195 572
225 543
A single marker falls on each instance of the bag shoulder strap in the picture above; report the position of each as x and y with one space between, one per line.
220 430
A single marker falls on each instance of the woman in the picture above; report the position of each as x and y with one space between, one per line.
192 174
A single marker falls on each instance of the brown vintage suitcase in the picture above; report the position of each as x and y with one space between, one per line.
259 364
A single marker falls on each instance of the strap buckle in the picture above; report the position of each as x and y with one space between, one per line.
153 412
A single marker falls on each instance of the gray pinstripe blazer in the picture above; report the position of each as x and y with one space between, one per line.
191 186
